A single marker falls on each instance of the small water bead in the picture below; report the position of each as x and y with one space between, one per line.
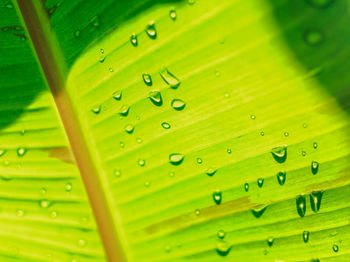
259 211
253 117
141 162
191 2
246 187
151 30
129 128
133 39
281 178
301 205
102 51
320 3
315 200
121 144
286 134
314 167
167 248
176 158
139 140
124 110
147 183
96 109
306 235
117 95
172 14
166 125
102 59
303 153
147 79
156 98
199 160
77 33
217 197
20 213
279 153
270 241
260 182
68 187
223 248
117 173
2 152
197 212
262 133
335 248
169 78
315 145
53 214
221 234
43 191
44 203
171 174
111 69
178 104
95 21
229 151
21 151
211 171
313 37
81 242
304 125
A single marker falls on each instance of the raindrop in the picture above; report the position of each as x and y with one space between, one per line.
124 110
197 212
133 39
270 241
211 171
262 133
172 14
117 173
315 145
96 109
121 144
314 167
102 59
169 78
102 51
2 152
176 158
117 95
306 235
258 212
151 30
335 248
260 182
246 187
166 125
315 200
171 174
221 234
253 117
156 98
286 134
147 183
313 37
141 162
68 187
44 203
147 79
95 21
281 178
303 153
20 212
111 69
139 140
129 128
21 151
81 242
223 248
77 33
53 214
229 151
199 160
279 153
178 104
217 197
301 205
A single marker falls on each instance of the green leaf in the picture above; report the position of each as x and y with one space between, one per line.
203 130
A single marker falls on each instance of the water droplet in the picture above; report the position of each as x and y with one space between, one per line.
96 109
133 39
117 95
246 187
199 160
44 203
2 152
172 14
258 212
217 197
147 183
102 59
313 37
117 173
43 191
281 178
315 145
169 78
53 214
95 21
139 140
20 212
229 151
279 153
191 2
260 182
147 79
124 110
81 242
262 133
156 98
303 153
211 171
197 212
253 117
221 234
171 174
315 200
77 33
314 167
270 241
286 134
306 235
6 177
21 151
176 158
111 69
121 144
304 125
223 248
167 248
141 162
301 205
151 30
178 104
166 125
68 187
102 51
129 128
335 248
320 3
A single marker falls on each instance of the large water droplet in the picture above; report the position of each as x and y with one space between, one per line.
117 95
279 153
313 37
124 110
221 234
217 197
156 98
314 167
169 78
176 158
306 235
95 21
172 14
270 241
21 151
166 125
178 104
301 205
147 79
281 178
315 200
211 171
96 109
151 30
223 248
129 128
133 39
260 182
259 211
246 187
141 162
